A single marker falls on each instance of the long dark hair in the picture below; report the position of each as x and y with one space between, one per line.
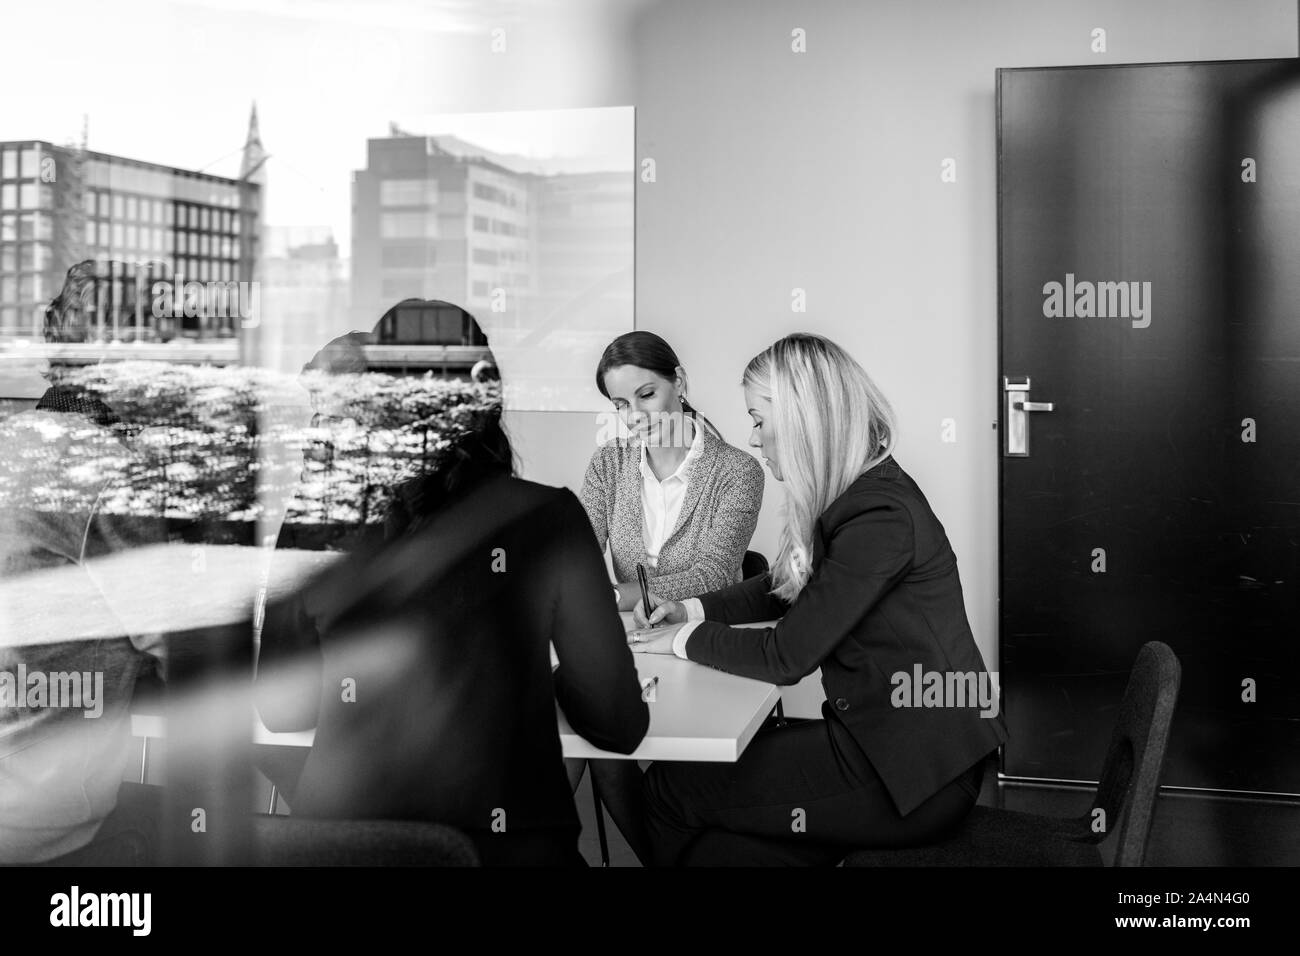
481 452
650 352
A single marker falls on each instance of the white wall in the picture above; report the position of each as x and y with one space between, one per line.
821 170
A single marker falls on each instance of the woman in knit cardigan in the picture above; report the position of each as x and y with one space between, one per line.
676 498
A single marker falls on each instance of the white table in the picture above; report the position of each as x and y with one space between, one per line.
698 713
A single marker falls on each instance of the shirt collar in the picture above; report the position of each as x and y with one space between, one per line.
688 463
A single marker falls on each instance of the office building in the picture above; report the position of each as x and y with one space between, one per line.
142 221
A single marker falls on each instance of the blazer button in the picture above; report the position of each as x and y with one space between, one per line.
841 703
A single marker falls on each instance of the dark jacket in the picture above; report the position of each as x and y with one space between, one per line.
884 597
431 688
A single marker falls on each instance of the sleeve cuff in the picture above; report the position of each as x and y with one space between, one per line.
680 638
694 609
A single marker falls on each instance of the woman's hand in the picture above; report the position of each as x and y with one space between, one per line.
653 640
665 612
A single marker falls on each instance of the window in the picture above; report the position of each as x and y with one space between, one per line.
88 203
27 226
225 247
481 223
204 222
8 258
118 207
103 205
9 165
31 163
90 233
117 235
8 228
131 237
408 225
132 209
26 289
235 253
8 289
8 196
171 214
408 192
9 318
157 240
406 257
29 196
103 234
485 257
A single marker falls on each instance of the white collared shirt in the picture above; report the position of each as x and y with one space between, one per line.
661 501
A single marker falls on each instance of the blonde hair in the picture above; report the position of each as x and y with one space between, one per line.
831 424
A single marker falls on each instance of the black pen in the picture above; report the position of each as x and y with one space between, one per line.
645 591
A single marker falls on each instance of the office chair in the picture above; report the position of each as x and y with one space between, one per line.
1126 793
294 841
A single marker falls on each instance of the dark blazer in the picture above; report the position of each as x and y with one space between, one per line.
884 596
430 683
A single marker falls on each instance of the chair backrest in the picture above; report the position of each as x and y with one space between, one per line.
298 841
752 565
1130 778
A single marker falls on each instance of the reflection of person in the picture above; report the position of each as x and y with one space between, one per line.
424 665
866 586
678 499
60 773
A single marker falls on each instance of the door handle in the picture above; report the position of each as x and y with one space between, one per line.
1016 432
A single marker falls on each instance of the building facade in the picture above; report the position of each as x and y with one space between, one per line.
142 223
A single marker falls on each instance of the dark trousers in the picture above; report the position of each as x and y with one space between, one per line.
802 794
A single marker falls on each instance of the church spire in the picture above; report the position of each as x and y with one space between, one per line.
255 156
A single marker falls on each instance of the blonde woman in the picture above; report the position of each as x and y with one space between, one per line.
866 588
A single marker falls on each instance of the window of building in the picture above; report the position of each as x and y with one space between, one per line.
8 196
204 219
8 289
235 251
119 205
408 192
9 164
27 226
481 223
234 227
90 233
487 257
27 196
103 234
9 319
117 235
8 259
204 248
408 225
132 208
131 242
8 228
157 240
406 257
88 203
31 164
26 289
170 214
103 205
